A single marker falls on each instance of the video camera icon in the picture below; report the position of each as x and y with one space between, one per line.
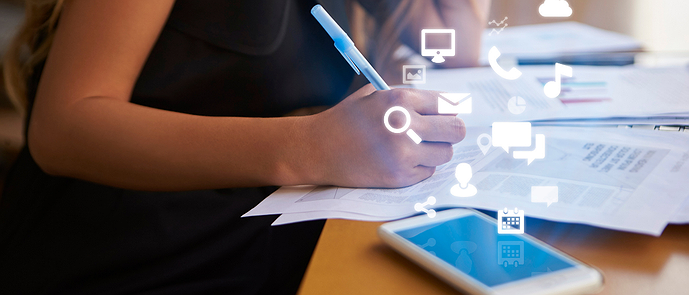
514 134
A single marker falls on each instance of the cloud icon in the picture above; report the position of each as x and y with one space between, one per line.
555 8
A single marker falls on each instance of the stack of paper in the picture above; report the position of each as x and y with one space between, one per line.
632 180
625 179
594 95
547 42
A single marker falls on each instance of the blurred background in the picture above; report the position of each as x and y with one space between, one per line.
661 26
11 139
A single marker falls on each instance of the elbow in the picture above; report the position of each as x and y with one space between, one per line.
43 143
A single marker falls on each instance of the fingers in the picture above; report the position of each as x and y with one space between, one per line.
409 177
431 154
423 172
439 128
364 91
424 102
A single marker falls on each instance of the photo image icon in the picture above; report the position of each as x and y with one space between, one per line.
414 74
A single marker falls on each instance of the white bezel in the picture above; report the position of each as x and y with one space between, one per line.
578 279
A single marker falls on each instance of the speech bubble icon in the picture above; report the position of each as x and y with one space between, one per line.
511 134
544 194
537 153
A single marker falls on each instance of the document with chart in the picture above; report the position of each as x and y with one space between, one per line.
592 95
632 180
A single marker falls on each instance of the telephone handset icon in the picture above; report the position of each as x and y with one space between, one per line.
493 55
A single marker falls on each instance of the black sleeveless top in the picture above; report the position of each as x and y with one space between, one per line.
257 58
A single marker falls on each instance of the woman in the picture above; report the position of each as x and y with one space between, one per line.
153 125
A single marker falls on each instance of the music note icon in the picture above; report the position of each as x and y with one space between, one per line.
552 88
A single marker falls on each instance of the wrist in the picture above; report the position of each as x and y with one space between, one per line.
300 159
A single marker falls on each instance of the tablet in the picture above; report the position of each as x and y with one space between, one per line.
463 247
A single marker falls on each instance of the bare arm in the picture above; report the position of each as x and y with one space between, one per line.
84 126
467 17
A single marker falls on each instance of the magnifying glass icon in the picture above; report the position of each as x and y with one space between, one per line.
407 122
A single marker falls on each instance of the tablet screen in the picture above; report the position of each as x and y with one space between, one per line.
472 245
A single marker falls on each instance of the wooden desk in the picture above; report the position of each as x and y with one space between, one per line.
351 259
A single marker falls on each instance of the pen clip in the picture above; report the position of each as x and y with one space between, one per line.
349 60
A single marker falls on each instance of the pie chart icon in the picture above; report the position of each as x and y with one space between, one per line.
516 105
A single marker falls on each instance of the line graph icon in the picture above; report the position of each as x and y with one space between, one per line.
497 24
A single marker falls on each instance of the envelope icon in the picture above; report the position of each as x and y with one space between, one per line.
454 103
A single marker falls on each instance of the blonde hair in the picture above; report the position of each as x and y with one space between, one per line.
29 48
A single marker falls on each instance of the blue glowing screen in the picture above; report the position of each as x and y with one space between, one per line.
472 245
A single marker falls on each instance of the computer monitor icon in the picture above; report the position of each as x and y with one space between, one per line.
438 43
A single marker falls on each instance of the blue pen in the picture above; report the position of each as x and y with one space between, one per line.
346 47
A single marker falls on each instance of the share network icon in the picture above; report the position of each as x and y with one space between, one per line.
422 207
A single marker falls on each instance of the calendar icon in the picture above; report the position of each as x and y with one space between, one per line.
511 253
511 222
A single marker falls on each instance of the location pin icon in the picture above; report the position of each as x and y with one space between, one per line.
484 147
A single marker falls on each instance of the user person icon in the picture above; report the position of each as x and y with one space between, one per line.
463 248
463 188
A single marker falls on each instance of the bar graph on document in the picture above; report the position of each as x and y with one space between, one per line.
576 91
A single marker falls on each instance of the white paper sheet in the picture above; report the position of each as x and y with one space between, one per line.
279 200
631 183
593 92
554 39
667 120
681 216
287 218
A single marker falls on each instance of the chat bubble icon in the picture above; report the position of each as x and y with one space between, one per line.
537 153
511 134
544 194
